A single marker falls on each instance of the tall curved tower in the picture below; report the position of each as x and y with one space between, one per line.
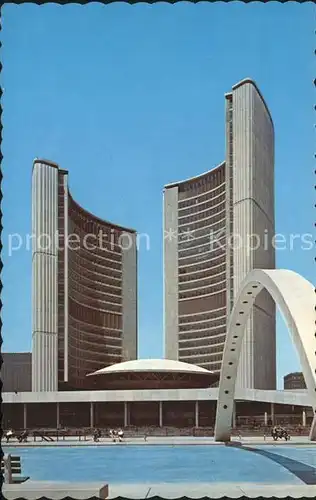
84 287
217 227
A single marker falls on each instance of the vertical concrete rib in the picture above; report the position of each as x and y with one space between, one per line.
44 279
129 297
170 264
66 277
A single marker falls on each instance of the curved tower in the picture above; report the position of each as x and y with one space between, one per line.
218 227
250 169
84 287
195 274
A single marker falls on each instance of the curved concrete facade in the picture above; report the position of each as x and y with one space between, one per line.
295 297
195 305
218 227
84 287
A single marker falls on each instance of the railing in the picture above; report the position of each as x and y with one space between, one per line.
84 434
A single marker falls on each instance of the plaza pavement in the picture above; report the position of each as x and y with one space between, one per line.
33 490
211 490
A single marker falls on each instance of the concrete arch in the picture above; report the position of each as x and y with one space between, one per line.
296 299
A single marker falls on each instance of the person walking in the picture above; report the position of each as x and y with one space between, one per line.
96 435
9 434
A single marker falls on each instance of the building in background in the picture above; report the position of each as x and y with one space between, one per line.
16 372
293 381
218 226
84 287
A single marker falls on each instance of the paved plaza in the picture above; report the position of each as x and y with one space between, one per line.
35 489
199 490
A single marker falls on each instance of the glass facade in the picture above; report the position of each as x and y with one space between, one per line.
202 269
95 295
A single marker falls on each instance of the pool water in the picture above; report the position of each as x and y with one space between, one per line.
159 464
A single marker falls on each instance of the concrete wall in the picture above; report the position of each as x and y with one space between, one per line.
44 277
129 298
170 257
253 215
16 371
298 398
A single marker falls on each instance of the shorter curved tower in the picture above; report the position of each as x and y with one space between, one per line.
195 269
84 287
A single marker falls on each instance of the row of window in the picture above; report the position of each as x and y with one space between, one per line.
86 301
98 245
100 262
200 349
93 350
97 349
202 236
189 200
216 257
96 286
195 251
194 276
213 284
198 208
196 359
104 259
187 340
107 339
90 267
201 292
206 265
85 364
202 316
208 215
96 332
105 283
192 240
205 281
205 183
80 358
211 222
93 316
216 230
96 294
208 327
104 306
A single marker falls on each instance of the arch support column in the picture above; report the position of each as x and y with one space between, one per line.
160 414
295 298
312 434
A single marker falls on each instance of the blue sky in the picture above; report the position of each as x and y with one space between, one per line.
134 96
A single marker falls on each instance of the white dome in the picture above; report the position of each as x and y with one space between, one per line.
152 365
